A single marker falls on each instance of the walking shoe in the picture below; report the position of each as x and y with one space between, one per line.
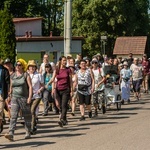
128 101
44 114
60 123
9 137
95 113
122 102
90 114
72 114
1 127
82 118
28 135
33 131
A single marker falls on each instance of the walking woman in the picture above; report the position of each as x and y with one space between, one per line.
21 94
63 88
47 93
137 77
37 87
125 78
86 84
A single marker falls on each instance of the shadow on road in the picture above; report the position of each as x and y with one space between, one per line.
26 144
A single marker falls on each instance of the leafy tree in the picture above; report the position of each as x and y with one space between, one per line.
113 18
7 36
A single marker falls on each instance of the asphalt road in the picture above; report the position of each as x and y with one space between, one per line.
127 129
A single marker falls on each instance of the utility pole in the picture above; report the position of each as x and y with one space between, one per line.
67 26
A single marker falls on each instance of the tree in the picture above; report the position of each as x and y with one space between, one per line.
7 36
112 18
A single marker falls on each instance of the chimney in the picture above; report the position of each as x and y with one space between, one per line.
51 33
26 34
30 33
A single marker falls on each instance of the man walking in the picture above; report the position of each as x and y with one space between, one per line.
4 89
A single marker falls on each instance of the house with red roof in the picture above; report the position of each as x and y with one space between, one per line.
137 45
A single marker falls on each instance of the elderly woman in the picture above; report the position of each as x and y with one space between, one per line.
21 94
85 87
125 78
37 86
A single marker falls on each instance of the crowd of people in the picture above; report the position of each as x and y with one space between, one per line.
65 84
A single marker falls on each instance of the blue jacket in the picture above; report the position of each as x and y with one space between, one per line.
5 79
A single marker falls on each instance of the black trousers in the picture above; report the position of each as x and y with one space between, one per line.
63 97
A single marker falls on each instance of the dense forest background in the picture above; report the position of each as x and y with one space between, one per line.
90 19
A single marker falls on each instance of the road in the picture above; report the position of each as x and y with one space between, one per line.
127 129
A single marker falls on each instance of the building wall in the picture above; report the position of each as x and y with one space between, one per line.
34 50
35 26
49 46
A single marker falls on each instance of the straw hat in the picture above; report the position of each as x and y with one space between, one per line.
24 63
31 63
125 63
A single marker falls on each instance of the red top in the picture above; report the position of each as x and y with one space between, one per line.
63 79
146 66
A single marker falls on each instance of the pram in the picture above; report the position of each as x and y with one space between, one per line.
112 93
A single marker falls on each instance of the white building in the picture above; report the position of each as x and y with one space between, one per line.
32 45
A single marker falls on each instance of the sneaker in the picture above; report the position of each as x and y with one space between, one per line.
128 101
122 102
1 127
72 114
82 118
90 114
44 114
28 135
60 123
9 137
33 131
95 113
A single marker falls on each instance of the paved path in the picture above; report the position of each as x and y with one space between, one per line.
128 129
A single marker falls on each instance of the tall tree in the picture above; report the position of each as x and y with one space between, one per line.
7 36
112 18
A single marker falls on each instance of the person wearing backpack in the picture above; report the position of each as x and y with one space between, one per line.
21 95
4 90
99 78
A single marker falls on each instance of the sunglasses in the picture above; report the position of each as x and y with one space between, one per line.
94 62
18 65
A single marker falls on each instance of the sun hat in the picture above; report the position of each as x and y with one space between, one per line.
7 60
125 63
31 63
94 60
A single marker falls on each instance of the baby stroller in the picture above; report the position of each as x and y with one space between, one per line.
112 87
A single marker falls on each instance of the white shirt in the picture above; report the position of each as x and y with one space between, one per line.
43 67
136 71
36 79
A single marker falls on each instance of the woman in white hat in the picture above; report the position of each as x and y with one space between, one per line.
125 77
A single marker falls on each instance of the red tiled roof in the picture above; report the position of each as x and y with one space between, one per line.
126 45
44 38
15 20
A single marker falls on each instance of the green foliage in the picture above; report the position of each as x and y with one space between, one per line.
7 36
113 18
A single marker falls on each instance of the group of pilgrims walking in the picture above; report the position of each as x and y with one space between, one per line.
68 83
